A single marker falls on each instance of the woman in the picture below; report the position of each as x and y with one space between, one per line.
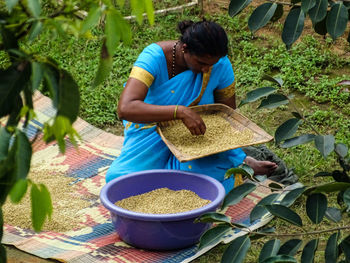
167 78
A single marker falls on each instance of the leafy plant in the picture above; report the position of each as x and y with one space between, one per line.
326 16
316 195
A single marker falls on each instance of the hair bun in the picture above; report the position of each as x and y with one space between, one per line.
183 25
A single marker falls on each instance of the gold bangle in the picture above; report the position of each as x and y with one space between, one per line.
175 111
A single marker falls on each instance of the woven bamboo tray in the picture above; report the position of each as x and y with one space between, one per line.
236 120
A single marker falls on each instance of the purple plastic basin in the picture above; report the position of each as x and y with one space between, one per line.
160 231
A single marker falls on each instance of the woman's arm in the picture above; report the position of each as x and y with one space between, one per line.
132 107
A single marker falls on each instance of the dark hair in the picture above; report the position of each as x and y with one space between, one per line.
204 38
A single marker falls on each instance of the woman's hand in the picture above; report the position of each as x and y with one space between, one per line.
192 120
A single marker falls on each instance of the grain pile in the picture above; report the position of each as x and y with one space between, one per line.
163 201
66 205
219 136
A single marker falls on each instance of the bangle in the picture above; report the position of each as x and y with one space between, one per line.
175 111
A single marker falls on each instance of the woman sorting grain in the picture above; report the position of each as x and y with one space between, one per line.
167 78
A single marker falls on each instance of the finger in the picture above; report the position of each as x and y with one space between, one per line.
203 128
198 131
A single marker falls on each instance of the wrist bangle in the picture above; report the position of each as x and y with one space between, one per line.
175 111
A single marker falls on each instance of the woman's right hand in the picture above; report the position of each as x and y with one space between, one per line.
192 120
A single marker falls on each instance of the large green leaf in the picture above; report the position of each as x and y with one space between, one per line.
319 11
329 187
104 67
341 149
237 6
291 196
309 250
69 98
278 13
321 27
277 80
333 214
37 75
18 190
237 250
35 30
51 80
149 11
269 249
244 170
23 155
237 194
112 30
213 236
5 137
261 16
337 19
316 206
293 26
259 210
91 19
325 144
302 139
273 101
137 7
345 247
290 247
346 197
35 7
213 217
331 251
285 213
287 129
306 5
280 258
10 4
257 94
41 205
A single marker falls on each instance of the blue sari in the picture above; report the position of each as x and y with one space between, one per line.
143 148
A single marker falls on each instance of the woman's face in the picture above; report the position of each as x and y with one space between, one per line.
199 64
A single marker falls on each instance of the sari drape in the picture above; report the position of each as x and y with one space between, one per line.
143 148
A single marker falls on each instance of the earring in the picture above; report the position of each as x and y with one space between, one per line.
183 51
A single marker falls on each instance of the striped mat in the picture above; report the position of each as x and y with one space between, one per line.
95 240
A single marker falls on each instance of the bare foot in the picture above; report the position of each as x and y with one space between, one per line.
261 167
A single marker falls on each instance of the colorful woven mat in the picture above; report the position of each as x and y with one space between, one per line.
95 240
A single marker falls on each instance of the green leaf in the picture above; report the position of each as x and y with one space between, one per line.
3 257
137 7
316 206
346 197
278 13
10 4
280 258
237 194
297 115
237 250
257 94
302 139
306 5
34 7
261 16
329 187
149 11
325 144
345 246
46 200
91 19
319 11
341 149
290 247
104 68
35 30
337 19
18 190
269 249
69 98
273 101
213 236
293 26
323 174
51 79
321 27
5 137
278 81
37 75
291 196
23 155
237 6
287 129
275 186
285 213
112 30
309 250
41 205
9 39
331 251
259 210
244 170
333 214
213 217
121 2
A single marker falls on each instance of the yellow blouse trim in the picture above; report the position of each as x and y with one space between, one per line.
142 75
206 77
238 180
225 93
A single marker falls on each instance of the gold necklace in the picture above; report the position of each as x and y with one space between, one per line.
174 53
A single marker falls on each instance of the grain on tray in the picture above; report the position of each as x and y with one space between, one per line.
219 136
67 206
163 201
